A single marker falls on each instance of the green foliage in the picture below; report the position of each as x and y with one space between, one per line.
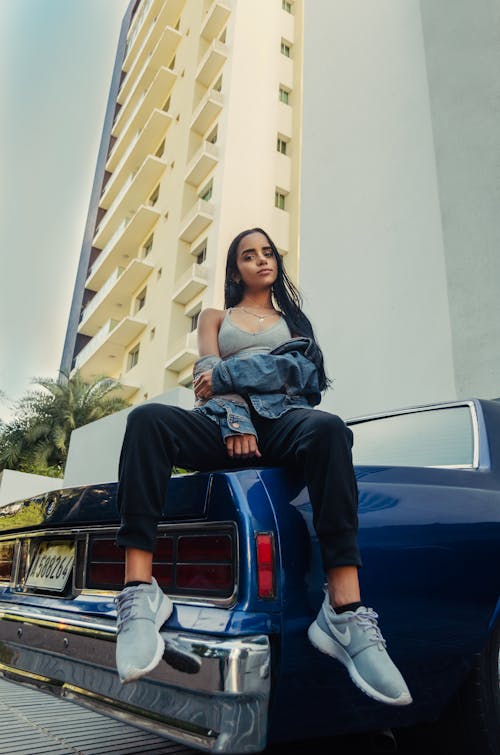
36 440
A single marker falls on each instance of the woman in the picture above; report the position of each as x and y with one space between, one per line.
259 374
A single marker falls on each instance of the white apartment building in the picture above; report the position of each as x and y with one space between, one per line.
201 140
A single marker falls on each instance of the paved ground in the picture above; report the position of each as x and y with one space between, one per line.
36 723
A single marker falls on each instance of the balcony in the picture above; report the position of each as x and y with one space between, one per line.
184 352
192 283
207 111
162 54
104 353
196 221
215 20
202 164
123 244
143 145
154 98
211 63
135 191
145 31
113 299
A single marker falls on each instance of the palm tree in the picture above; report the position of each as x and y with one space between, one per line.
37 439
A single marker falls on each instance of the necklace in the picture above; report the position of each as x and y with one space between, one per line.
260 318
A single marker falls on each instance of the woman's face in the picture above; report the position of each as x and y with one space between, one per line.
256 263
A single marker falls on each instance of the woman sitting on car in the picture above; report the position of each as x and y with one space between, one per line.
259 375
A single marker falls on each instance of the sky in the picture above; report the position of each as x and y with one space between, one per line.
56 62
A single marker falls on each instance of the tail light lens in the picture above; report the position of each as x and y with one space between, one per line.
265 565
182 564
6 559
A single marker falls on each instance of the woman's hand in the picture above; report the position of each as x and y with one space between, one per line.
242 446
203 385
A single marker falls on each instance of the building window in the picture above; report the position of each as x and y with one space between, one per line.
206 193
153 199
201 255
161 149
148 245
194 321
284 95
286 48
218 85
140 301
286 6
223 36
152 333
133 357
282 145
212 137
171 65
166 106
280 200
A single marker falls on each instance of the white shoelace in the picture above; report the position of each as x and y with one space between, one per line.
125 607
367 619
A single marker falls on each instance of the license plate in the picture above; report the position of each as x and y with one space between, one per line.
52 566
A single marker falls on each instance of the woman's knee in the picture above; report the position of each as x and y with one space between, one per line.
331 427
146 415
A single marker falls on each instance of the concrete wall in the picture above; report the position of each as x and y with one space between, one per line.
462 47
15 486
372 263
94 449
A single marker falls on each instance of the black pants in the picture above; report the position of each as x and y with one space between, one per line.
159 436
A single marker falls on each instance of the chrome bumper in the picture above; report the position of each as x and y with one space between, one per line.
222 708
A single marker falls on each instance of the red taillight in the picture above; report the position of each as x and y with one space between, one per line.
187 564
6 559
265 565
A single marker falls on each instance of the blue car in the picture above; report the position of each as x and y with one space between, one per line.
238 554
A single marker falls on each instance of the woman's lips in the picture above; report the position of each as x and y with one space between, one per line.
264 271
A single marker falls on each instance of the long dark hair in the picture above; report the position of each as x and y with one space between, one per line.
286 296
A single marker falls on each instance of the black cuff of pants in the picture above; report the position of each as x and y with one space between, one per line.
137 532
333 556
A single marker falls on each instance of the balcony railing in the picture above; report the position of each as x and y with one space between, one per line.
113 299
207 111
184 352
135 191
211 63
215 19
202 163
144 35
142 146
192 283
161 55
123 244
154 97
196 221
103 354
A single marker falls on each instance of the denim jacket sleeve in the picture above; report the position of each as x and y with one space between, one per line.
230 412
290 372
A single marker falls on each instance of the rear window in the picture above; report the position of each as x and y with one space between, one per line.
430 438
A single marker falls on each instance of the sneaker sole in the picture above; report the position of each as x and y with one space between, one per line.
326 644
164 613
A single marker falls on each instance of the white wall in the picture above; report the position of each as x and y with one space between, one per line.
15 486
371 255
94 449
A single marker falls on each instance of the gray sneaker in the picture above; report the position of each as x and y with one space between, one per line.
141 611
354 639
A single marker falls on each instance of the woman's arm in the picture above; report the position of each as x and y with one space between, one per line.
209 323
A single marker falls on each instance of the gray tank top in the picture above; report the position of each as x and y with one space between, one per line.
234 340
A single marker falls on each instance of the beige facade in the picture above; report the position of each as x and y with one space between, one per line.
205 142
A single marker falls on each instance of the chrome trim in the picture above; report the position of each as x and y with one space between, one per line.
426 408
228 698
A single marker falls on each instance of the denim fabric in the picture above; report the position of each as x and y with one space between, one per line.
283 379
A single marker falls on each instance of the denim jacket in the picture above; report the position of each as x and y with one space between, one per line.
272 383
